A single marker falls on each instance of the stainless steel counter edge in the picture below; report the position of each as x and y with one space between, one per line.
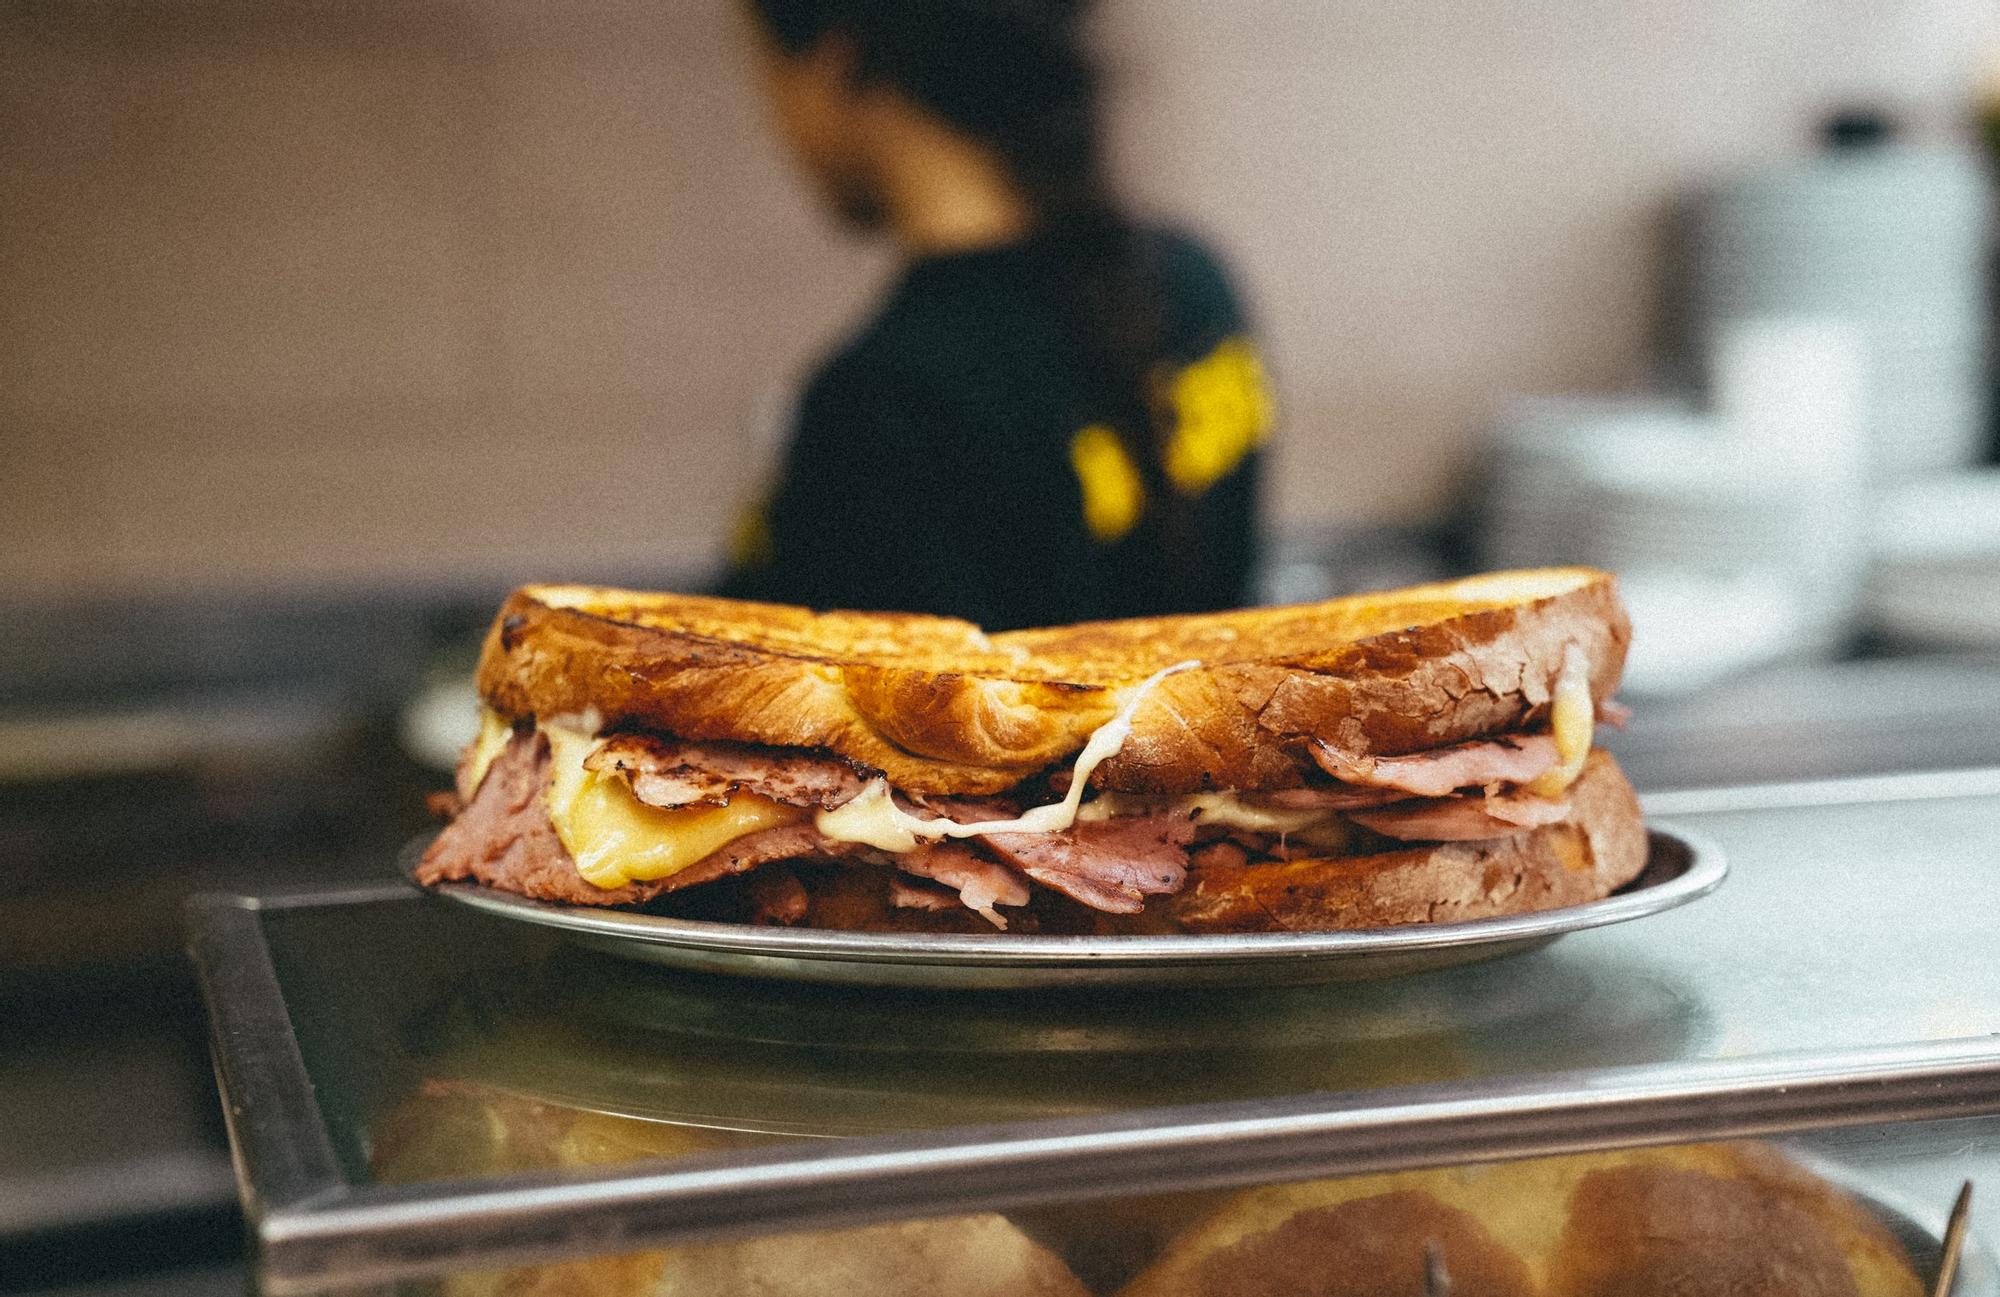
1910 786
283 1157
375 1235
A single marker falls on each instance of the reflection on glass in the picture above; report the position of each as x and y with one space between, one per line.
712 1056
1687 1221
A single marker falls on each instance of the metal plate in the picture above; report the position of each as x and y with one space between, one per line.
1680 868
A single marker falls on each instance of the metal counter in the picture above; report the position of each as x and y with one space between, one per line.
1847 975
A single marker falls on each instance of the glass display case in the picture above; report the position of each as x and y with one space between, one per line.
1798 1071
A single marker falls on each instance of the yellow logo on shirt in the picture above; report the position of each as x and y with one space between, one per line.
1222 411
1113 495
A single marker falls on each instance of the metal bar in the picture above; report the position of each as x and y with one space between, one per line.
284 1158
1913 786
308 896
1954 1242
378 1235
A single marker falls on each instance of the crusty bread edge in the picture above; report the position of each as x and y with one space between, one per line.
1598 848
1237 726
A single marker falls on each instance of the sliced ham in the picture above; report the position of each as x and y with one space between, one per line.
1516 759
444 806
1526 811
907 894
980 883
1219 855
503 838
777 898
766 846
1325 797
959 810
672 773
1461 819
1111 865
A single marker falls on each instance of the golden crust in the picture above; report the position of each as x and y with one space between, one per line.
1599 848
940 707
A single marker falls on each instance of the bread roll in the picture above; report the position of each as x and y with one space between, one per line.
1704 1220
463 1128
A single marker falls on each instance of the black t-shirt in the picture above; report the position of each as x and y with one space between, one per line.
950 459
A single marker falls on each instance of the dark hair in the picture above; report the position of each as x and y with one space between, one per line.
1016 75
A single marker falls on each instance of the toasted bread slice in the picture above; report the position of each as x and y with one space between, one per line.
940 707
1599 847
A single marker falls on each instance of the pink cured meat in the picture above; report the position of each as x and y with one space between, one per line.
1325 797
778 898
1110 865
979 882
503 838
1462 819
1517 759
909 894
765 846
672 773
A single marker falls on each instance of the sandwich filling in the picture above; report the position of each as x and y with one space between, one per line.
632 816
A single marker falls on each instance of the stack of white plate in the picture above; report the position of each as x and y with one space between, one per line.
1935 575
1891 239
1824 475
1538 471
1736 540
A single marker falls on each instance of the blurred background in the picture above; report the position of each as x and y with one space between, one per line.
323 324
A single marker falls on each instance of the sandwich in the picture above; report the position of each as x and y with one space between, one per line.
1418 755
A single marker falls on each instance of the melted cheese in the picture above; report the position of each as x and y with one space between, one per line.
1572 717
873 818
616 839
1226 809
494 732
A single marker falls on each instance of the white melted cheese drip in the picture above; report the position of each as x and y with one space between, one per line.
874 819
1225 809
1572 718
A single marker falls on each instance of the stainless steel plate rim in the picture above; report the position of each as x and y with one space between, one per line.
1703 872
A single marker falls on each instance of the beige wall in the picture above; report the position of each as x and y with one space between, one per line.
484 288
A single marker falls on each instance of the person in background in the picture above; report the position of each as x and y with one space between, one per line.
1057 414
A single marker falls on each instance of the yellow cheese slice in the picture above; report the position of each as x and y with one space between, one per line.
616 839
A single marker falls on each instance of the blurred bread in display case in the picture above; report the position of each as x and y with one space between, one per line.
1695 1220
1714 1220
977 1256
452 1129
